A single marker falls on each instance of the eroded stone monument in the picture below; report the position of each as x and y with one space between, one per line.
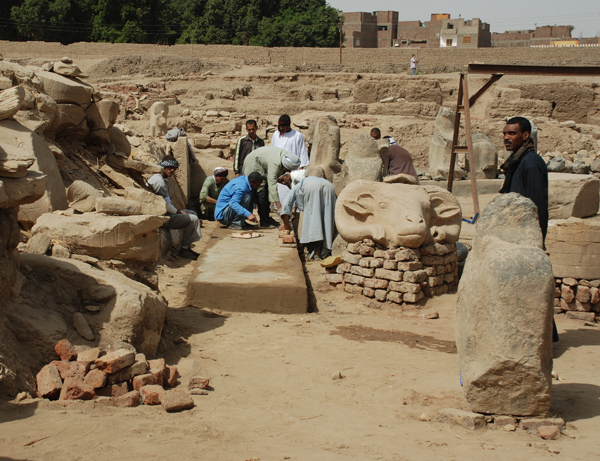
159 111
363 161
503 323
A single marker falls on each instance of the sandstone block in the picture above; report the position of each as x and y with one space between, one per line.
584 316
74 389
390 264
118 206
368 292
594 295
49 383
115 361
381 295
572 195
130 399
334 278
354 279
378 284
11 101
343 268
223 127
362 271
151 394
65 350
386 274
413 297
462 418
395 297
66 90
14 161
365 262
417 276
354 248
569 281
409 265
102 115
95 378
583 294
366 250
350 258
533 424
407 254
376 263
176 400
405 287
501 421
435 281
567 293
432 260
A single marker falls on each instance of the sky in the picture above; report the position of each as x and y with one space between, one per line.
500 15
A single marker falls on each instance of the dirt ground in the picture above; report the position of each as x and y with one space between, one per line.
274 395
276 391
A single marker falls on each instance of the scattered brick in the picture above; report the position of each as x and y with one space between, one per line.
176 400
151 394
95 378
113 390
65 350
144 380
198 382
140 367
288 239
75 389
462 418
158 368
89 355
49 383
131 399
549 432
115 361
171 376
72 369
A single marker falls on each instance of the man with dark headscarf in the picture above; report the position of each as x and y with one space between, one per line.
210 192
178 219
526 173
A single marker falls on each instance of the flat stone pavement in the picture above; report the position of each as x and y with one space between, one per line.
249 275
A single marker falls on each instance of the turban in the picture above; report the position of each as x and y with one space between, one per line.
290 162
169 164
220 171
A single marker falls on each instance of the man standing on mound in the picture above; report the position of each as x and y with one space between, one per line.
178 219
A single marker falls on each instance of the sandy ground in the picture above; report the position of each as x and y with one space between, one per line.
274 396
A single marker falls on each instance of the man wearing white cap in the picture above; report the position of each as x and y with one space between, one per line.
271 163
210 192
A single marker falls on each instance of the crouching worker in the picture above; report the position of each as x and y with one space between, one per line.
234 205
315 197
178 219
210 192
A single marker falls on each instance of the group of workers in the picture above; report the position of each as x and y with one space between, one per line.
265 177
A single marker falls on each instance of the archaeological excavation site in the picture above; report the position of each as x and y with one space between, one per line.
246 253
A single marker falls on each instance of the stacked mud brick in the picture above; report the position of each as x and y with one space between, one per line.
121 378
400 275
580 299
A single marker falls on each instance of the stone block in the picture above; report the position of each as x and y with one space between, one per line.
368 292
139 367
198 382
354 279
567 293
113 390
223 127
76 389
407 254
366 250
176 400
386 274
583 294
89 355
365 262
409 265
158 368
334 278
353 248
151 394
435 281
417 276
574 195
130 399
171 376
343 268
49 383
145 380
413 297
115 361
95 378
500 421
394 297
381 295
379 284
390 264
65 350
584 316
405 287
549 432
533 424
432 260
362 271
462 418
76 370
118 206
376 263
351 258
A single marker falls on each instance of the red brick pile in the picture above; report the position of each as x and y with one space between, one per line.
579 299
120 378
400 275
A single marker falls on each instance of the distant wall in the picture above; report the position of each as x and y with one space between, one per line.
430 60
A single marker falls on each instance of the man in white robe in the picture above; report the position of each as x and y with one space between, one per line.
315 198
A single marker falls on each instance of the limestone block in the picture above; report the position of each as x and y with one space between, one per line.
118 206
135 165
224 127
118 179
462 418
572 195
362 162
120 140
201 141
106 237
574 247
22 191
69 116
102 115
14 161
68 69
325 150
152 204
39 244
14 134
66 90
220 143
82 196
503 322
11 101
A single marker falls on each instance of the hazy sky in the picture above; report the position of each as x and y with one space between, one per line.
501 15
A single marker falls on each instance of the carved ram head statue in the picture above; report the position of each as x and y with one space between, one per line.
397 214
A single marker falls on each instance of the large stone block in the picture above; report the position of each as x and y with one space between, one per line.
129 312
14 161
55 198
102 115
223 127
503 323
106 237
572 195
574 247
66 90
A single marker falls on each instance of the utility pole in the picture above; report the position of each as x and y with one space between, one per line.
341 35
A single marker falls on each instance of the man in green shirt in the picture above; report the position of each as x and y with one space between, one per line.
210 192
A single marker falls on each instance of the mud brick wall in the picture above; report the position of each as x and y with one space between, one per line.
579 299
383 59
399 275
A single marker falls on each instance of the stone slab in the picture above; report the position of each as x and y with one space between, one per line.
249 275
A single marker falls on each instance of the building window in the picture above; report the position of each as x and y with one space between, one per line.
381 27
448 42
467 40
450 26
357 43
